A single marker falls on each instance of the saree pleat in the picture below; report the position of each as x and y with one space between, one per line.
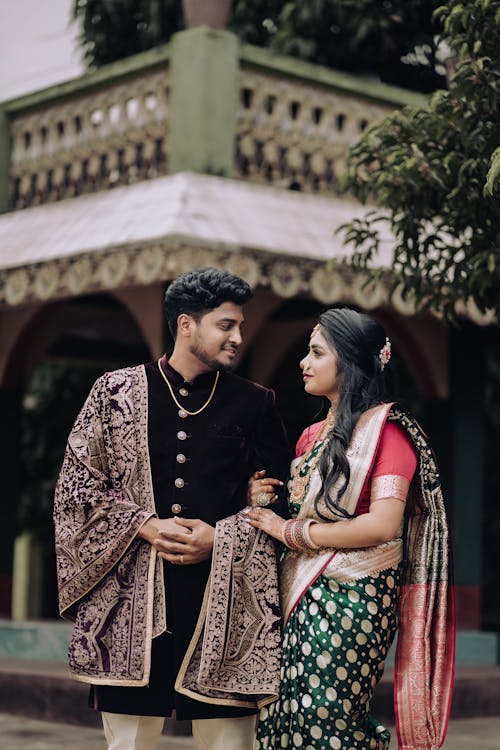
334 649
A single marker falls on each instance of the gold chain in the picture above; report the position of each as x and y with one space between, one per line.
191 413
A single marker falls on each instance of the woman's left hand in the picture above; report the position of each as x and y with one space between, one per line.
268 521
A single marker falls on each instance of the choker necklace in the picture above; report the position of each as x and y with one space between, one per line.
191 413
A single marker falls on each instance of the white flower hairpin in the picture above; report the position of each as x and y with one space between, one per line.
385 353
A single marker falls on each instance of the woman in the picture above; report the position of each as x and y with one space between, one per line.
366 546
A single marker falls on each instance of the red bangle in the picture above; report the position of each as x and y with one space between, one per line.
296 535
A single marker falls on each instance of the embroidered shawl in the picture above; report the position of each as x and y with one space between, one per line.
234 656
108 579
426 639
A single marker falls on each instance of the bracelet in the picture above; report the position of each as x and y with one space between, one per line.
306 533
296 535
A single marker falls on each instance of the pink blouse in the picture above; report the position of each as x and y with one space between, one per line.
393 467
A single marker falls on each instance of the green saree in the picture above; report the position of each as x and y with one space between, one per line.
342 609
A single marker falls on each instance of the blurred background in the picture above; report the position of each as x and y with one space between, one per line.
142 138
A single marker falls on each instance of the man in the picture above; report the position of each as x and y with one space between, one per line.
158 455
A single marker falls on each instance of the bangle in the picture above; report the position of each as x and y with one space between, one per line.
296 535
306 533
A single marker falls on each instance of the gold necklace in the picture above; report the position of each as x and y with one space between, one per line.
191 413
302 474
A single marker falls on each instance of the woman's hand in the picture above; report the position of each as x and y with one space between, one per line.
268 521
260 490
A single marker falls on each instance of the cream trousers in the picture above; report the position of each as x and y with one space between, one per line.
124 732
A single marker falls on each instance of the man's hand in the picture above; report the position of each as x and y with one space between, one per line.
184 541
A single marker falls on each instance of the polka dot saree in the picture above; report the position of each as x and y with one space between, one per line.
342 609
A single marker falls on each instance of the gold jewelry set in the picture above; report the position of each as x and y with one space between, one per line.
302 474
296 531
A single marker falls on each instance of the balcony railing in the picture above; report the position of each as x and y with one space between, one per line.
296 133
93 134
294 124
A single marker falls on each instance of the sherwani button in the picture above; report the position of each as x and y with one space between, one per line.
182 414
181 435
180 458
183 391
176 509
179 483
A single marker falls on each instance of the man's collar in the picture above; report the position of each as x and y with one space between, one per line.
203 380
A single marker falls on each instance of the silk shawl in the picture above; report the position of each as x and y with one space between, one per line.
425 652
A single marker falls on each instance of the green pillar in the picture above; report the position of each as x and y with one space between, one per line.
10 431
467 471
4 161
203 100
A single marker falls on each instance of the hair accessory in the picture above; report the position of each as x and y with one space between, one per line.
385 353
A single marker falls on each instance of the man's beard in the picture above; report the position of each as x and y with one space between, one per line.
213 364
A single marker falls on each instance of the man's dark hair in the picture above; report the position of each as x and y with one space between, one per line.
200 291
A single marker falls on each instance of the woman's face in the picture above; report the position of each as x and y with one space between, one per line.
319 367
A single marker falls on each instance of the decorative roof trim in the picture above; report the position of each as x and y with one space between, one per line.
141 265
120 267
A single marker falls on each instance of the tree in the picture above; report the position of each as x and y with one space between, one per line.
113 29
394 39
434 172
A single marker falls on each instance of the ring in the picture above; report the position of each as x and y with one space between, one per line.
182 559
263 499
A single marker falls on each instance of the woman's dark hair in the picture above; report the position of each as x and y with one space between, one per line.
357 340
200 291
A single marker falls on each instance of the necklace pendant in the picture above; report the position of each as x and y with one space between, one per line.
182 413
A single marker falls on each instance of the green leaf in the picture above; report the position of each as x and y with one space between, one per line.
493 174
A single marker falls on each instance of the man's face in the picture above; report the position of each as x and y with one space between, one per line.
217 336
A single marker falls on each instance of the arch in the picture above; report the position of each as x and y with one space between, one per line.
281 338
421 340
103 330
122 327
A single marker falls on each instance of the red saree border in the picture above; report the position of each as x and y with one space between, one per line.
422 710
425 653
